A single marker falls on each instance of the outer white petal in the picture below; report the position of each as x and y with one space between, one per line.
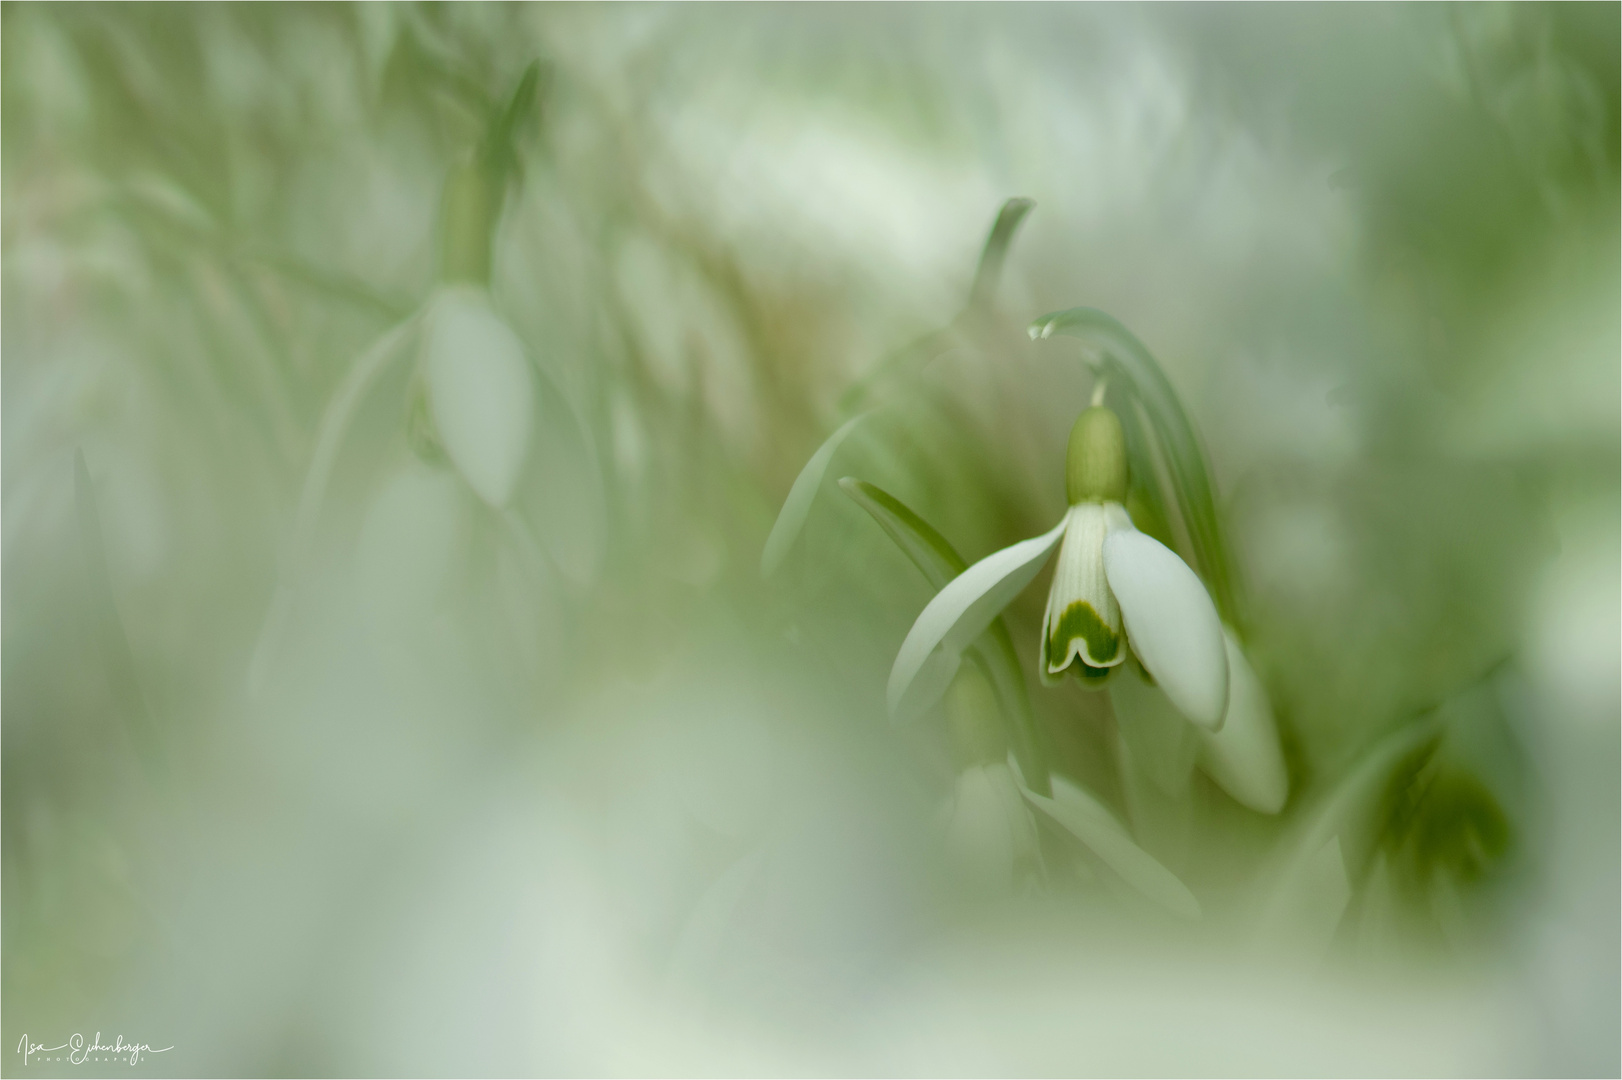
480 390
1171 624
960 612
1245 757
929 685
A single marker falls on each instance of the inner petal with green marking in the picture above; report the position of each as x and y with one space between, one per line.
1083 621
1079 632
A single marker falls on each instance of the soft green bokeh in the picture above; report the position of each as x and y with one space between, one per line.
409 785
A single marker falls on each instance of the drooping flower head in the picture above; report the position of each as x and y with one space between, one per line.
1115 589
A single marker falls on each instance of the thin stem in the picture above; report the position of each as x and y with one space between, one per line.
1100 385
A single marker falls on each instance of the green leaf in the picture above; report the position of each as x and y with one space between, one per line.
917 539
994 650
500 156
1090 821
797 507
1307 908
988 274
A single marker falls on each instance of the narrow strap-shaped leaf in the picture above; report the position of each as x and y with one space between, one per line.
803 492
931 552
1144 500
988 274
335 419
500 155
939 562
1307 908
1091 822
1342 812
1129 357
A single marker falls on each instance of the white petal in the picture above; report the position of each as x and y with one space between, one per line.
1089 821
480 390
960 612
929 685
1082 618
797 507
1245 757
1171 624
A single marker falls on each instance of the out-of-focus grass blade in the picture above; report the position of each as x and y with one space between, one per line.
914 354
500 155
1464 726
114 644
918 540
1129 358
1306 911
988 274
1090 821
797 507
934 555
341 407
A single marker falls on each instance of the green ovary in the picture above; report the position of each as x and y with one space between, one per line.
1101 646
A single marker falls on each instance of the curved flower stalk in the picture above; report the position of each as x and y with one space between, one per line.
1114 587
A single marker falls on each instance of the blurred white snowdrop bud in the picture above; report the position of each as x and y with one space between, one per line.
1113 586
990 834
413 538
481 392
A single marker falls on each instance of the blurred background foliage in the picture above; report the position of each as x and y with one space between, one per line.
571 789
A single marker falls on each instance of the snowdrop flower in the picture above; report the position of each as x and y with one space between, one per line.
480 389
1114 588
990 833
